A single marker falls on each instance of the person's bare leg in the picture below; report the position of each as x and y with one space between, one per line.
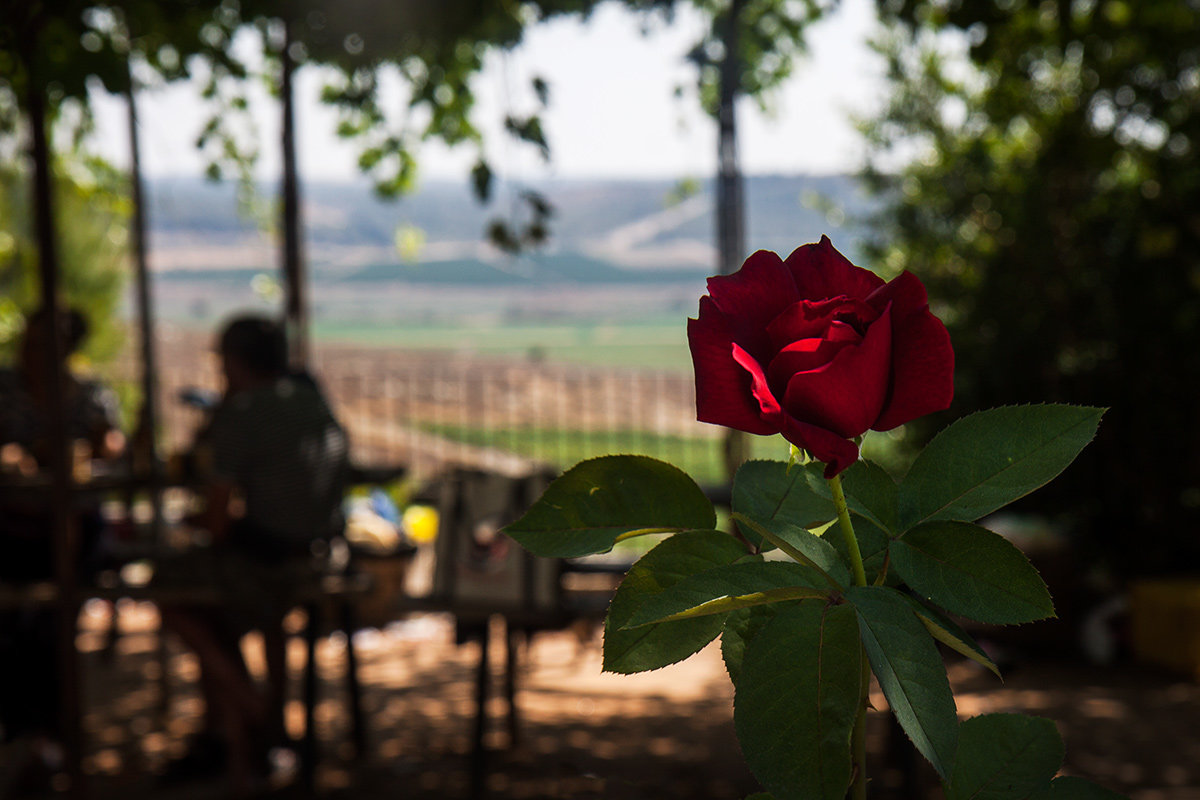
275 651
238 705
227 676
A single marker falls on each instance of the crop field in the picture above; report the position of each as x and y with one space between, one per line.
655 342
496 408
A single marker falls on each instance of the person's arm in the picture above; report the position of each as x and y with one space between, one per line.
230 448
218 517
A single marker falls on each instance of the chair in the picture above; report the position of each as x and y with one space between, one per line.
480 573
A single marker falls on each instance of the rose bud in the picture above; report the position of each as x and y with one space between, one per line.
818 350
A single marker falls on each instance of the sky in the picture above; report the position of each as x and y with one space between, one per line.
608 117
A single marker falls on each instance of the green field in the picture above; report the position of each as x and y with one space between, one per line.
659 343
699 457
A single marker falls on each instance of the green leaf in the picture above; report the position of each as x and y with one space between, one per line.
725 588
1004 757
986 460
1072 788
910 672
587 508
797 699
870 492
672 560
971 571
944 630
775 496
818 550
872 544
805 547
741 626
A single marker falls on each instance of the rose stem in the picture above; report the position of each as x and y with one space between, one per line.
858 740
843 513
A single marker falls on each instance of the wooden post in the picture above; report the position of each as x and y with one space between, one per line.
64 530
144 444
294 278
731 205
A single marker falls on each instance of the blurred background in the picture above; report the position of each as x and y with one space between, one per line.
486 223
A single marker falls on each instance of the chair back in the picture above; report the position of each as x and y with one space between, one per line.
478 567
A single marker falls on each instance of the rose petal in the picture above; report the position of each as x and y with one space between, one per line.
808 319
905 292
809 354
922 370
847 395
768 405
723 389
756 293
822 272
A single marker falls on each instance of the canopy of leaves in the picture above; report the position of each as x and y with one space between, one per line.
1052 213
92 243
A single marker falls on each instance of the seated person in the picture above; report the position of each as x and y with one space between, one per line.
276 464
29 693
91 418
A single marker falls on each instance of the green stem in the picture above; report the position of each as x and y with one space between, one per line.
858 739
843 513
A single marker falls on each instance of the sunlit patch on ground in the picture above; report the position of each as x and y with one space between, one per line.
583 734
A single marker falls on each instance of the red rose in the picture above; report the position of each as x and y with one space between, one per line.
818 350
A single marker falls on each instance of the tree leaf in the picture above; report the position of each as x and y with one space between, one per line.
971 571
587 508
797 699
672 560
725 588
910 672
1004 757
775 495
944 630
986 460
1072 788
741 626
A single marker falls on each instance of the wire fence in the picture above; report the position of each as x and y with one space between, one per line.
431 410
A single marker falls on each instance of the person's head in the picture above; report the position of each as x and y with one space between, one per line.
35 340
253 350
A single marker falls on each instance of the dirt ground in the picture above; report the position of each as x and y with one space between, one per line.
582 734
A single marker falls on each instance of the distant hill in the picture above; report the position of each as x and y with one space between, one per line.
603 231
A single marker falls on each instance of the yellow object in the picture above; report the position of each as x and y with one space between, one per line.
421 523
1165 617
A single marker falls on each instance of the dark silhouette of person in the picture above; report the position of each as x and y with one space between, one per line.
273 458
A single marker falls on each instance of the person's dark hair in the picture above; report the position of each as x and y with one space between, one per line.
256 341
74 325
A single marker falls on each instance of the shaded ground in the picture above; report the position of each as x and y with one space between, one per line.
584 734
